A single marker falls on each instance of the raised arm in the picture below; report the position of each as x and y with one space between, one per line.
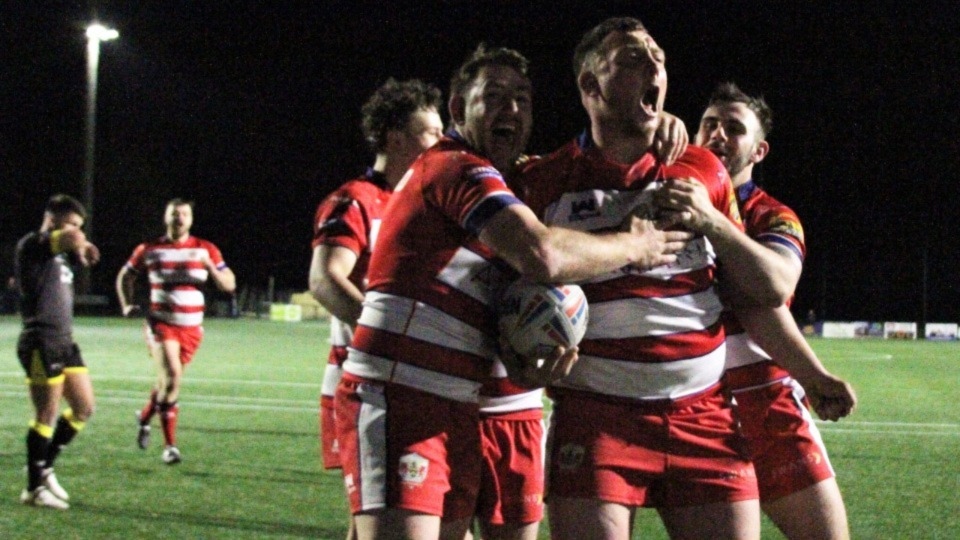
330 283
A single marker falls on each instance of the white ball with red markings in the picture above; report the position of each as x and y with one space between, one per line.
536 318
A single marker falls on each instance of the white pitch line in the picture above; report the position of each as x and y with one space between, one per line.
189 380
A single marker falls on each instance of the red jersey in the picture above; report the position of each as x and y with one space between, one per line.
176 274
350 217
768 221
428 317
655 334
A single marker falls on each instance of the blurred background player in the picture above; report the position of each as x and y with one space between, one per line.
400 120
177 265
798 490
426 336
46 348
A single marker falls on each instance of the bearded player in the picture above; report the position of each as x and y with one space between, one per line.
177 266
407 405
798 488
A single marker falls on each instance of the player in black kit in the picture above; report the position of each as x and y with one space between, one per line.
46 348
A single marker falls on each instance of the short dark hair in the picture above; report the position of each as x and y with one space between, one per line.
391 106
590 43
179 201
482 57
728 92
61 204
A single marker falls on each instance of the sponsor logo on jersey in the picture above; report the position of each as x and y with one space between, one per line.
478 174
583 209
348 483
413 469
571 456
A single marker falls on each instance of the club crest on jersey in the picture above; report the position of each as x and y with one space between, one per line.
571 456
413 469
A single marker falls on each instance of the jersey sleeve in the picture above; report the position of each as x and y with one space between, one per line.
472 195
339 221
215 256
781 226
136 261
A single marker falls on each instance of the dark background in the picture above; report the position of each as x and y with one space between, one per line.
252 109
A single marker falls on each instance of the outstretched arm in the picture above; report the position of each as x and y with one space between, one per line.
561 255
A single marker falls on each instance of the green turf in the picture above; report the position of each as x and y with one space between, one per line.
251 468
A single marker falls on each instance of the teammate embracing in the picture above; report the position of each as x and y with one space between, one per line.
798 489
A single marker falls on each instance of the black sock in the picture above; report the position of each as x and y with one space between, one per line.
62 435
37 446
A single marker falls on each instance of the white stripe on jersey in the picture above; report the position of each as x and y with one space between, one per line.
179 319
742 351
174 298
620 319
515 402
341 334
640 381
177 254
405 316
331 378
377 368
472 275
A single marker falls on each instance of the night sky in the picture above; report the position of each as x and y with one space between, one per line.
252 109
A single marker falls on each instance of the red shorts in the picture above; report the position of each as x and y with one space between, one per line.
189 337
329 448
784 443
682 453
511 488
403 448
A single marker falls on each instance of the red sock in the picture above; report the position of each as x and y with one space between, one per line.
146 414
168 419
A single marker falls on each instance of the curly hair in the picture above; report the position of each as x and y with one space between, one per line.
392 105
482 57
728 92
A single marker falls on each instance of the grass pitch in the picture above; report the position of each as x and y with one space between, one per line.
248 433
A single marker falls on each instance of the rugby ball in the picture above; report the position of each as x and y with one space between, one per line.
536 318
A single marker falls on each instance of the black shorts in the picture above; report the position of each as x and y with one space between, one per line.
45 363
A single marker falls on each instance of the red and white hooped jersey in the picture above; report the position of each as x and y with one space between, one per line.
176 274
350 217
767 221
428 317
655 334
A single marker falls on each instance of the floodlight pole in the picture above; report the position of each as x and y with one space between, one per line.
95 34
